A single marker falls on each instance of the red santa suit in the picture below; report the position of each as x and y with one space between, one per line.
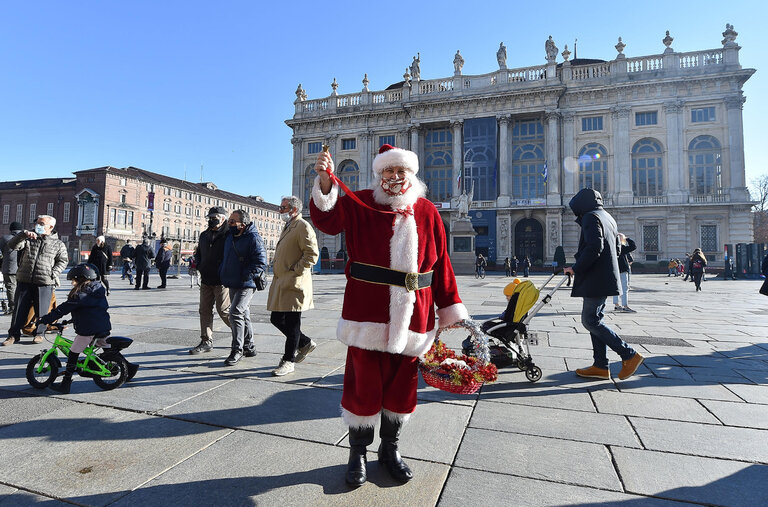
387 326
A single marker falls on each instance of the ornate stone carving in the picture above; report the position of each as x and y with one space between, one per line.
365 83
566 54
550 49
503 119
301 95
458 63
296 140
416 67
729 36
620 46
675 106
457 123
735 101
620 112
554 234
667 40
552 114
568 117
406 76
501 56
334 85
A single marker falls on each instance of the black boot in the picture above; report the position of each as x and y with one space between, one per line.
389 456
132 369
359 439
66 379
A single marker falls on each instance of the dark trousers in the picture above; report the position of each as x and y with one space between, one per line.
602 335
104 281
10 290
27 296
142 276
289 323
696 275
163 271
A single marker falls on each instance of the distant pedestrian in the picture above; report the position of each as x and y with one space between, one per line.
208 256
526 266
101 258
507 267
291 290
244 259
143 261
194 278
596 276
163 261
697 264
127 253
558 261
626 245
10 264
514 264
671 268
686 267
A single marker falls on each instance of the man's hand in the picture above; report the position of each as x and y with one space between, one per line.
324 167
568 271
30 234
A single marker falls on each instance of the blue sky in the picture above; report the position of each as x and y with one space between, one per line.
170 85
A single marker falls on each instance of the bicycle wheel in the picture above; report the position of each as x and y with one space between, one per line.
43 378
119 375
482 273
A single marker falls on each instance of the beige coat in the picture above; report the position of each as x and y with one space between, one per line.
295 255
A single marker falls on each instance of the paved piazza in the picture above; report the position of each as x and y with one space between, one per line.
691 427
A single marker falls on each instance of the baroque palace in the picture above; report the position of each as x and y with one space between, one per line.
659 136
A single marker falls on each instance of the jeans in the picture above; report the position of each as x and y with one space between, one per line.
210 295
289 323
602 335
127 271
28 296
240 318
624 278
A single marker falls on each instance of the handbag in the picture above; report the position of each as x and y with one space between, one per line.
260 280
764 288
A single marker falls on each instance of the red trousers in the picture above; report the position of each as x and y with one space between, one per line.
374 380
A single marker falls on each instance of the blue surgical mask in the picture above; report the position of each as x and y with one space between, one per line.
39 229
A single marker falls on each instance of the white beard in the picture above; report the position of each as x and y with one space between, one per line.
409 198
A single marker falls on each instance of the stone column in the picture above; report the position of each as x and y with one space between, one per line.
298 171
458 154
365 159
570 163
675 166
738 190
415 139
505 167
622 168
553 158
401 141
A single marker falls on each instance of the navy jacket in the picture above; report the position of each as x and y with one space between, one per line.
597 265
244 258
163 258
88 309
144 256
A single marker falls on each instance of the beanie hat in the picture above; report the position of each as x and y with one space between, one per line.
389 156
16 226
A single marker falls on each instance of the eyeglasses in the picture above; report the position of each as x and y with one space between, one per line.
284 208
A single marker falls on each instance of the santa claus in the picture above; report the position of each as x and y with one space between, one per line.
398 272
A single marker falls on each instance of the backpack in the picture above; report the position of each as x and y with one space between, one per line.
697 264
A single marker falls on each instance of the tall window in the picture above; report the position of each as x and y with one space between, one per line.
704 169
593 167
49 211
480 158
651 238
32 212
67 210
647 168
590 123
702 114
314 147
646 118
349 173
122 198
20 213
527 159
6 213
390 140
309 181
709 238
438 167
348 144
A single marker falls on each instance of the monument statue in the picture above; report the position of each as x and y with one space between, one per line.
415 68
465 201
458 63
501 56
551 49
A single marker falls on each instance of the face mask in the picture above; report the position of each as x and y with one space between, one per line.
395 186
213 222
234 229
39 229
286 217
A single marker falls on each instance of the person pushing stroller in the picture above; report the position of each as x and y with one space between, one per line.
87 302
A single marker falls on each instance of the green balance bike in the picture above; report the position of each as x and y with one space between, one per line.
108 369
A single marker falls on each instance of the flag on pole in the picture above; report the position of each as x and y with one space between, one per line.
458 181
544 172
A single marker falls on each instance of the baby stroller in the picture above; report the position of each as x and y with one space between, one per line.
509 340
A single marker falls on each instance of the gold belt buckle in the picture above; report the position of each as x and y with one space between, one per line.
411 282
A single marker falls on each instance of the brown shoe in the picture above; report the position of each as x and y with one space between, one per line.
37 339
10 341
594 372
630 366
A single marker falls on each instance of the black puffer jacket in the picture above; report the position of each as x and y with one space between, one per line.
101 257
597 268
88 308
624 266
209 253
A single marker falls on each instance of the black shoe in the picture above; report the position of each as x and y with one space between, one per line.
136 288
204 346
250 352
161 286
356 467
63 387
233 358
146 288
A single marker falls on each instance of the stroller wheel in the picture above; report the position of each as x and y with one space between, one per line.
533 373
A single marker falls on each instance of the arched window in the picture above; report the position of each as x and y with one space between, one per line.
704 166
528 171
438 167
593 167
349 173
647 168
309 181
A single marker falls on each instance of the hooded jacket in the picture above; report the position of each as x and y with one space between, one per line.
209 253
244 258
164 256
624 255
10 256
88 308
144 256
596 268
43 260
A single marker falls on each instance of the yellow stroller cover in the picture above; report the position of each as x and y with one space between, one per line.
526 295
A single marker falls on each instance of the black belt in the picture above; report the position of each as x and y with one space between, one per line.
386 276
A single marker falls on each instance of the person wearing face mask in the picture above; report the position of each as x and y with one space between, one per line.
208 256
291 290
43 258
399 270
244 259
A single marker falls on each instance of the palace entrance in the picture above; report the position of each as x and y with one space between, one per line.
529 240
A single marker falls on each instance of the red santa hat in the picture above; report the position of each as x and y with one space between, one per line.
389 156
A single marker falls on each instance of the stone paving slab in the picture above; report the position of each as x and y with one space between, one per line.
18 407
118 451
550 459
693 479
677 388
745 415
250 469
750 394
659 407
525 393
13 497
475 487
708 440
548 422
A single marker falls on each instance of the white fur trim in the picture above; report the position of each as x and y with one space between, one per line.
396 202
403 256
395 416
324 202
396 157
375 336
451 314
359 421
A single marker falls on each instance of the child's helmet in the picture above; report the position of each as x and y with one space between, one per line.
84 270
510 288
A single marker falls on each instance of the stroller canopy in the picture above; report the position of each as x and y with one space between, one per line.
522 300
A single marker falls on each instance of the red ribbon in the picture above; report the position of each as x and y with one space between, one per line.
404 211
